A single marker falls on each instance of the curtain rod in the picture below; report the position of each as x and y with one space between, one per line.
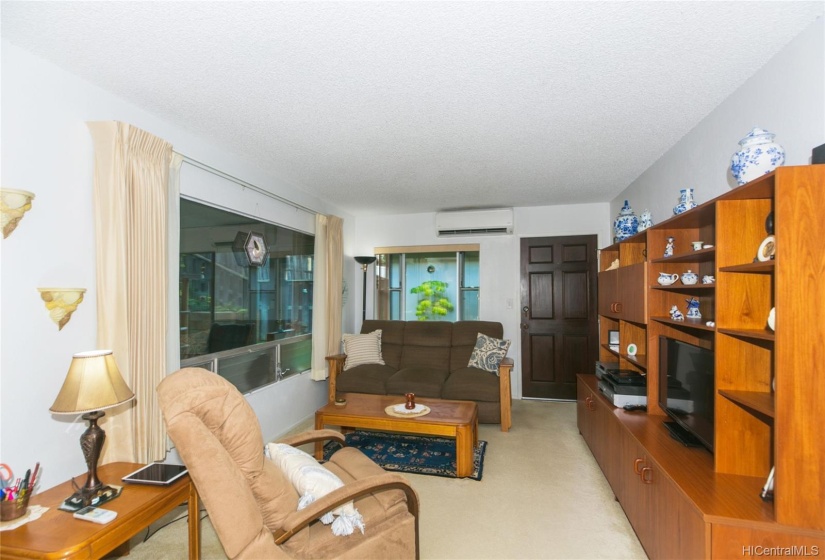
219 173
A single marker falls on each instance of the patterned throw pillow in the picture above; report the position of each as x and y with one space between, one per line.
488 353
362 349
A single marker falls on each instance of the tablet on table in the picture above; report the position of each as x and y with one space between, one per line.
156 473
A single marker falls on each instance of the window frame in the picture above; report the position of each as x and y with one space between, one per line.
213 361
459 249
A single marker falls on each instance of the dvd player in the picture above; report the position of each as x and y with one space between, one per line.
603 367
626 377
623 395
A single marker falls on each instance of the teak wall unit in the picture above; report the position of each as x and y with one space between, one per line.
687 502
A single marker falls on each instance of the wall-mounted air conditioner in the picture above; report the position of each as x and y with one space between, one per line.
496 221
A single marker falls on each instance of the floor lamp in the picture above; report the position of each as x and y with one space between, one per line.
365 262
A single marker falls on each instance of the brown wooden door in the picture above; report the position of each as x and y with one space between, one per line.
559 328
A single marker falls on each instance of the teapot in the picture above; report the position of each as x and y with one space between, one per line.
666 279
689 277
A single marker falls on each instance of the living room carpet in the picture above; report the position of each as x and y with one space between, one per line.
410 454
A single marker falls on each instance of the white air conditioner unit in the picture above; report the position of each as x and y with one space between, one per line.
496 221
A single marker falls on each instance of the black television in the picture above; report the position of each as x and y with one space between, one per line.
686 391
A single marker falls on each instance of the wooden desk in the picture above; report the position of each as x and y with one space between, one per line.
59 535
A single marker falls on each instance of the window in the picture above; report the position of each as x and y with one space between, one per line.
433 283
250 323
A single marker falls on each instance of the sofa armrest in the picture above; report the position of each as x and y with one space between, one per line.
377 483
504 370
336 366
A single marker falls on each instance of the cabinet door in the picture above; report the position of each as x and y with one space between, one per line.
608 293
585 417
667 525
600 430
632 288
607 437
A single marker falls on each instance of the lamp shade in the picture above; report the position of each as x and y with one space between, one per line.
93 383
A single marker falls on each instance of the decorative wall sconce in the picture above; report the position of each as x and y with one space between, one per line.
13 204
61 303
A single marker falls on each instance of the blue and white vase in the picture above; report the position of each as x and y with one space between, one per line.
686 201
759 155
626 224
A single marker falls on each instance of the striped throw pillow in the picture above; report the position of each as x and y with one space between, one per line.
362 349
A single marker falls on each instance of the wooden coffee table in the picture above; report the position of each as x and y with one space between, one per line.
455 419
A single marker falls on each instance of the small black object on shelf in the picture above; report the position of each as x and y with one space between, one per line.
818 154
681 435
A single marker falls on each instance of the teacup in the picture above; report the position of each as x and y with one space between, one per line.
666 279
697 245
708 279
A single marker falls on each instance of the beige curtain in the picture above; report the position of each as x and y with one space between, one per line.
327 294
130 197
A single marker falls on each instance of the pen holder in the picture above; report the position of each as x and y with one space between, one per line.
12 509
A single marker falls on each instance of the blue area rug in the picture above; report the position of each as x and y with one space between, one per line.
411 454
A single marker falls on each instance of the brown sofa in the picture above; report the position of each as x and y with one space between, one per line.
429 359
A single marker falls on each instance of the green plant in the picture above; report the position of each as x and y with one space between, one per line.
432 300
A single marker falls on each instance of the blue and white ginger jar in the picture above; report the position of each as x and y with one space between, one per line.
626 224
686 201
759 155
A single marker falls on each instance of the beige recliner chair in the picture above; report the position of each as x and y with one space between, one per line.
253 506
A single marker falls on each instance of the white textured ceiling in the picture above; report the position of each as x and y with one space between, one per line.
396 107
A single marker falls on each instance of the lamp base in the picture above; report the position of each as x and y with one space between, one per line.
94 497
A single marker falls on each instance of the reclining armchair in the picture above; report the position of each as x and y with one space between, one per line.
252 504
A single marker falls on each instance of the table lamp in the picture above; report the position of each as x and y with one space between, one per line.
93 383
365 262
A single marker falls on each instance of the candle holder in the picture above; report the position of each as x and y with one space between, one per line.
410 401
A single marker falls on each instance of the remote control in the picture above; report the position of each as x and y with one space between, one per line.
95 515
632 407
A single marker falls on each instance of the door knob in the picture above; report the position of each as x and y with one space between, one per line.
525 326
525 309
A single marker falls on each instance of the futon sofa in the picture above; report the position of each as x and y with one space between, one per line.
431 360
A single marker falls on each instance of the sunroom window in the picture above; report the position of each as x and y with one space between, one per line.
429 283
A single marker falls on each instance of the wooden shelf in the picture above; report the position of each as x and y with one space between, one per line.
755 428
757 334
757 267
689 323
756 401
639 359
705 255
683 287
702 215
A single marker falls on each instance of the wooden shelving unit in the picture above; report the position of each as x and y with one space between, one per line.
757 426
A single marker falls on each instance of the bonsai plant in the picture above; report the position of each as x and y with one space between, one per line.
432 300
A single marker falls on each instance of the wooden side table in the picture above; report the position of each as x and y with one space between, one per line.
59 535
